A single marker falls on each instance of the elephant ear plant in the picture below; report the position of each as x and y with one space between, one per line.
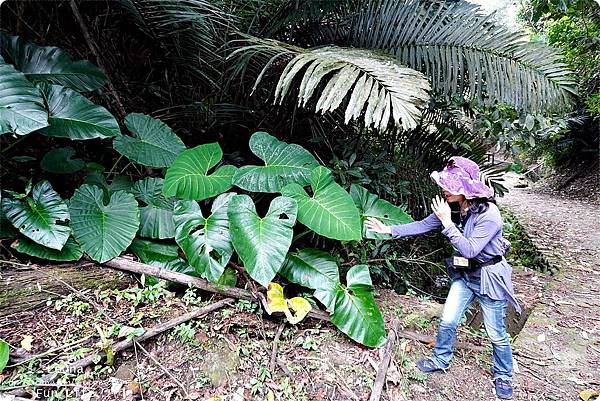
196 209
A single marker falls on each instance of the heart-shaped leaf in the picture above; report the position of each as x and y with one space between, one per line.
284 164
42 217
60 161
188 178
155 144
156 218
370 205
353 307
314 269
70 251
50 64
71 115
103 231
262 243
205 241
356 313
21 105
330 211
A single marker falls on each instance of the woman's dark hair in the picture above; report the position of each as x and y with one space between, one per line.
480 205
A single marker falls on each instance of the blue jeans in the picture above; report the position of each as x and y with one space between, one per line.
462 293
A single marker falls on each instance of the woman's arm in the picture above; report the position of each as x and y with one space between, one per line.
426 225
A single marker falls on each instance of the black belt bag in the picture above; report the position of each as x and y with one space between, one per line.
458 262
456 265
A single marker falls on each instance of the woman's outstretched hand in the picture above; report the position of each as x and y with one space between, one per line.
441 208
375 225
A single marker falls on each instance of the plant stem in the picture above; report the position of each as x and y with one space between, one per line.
13 144
302 234
113 167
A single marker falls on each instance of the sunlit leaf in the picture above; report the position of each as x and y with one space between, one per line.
330 211
188 177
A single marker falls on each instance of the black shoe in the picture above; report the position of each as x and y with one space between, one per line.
504 389
428 366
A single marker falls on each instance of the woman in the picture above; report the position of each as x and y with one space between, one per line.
481 272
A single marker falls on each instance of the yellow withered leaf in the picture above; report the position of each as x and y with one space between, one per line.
300 307
588 394
276 302
275 299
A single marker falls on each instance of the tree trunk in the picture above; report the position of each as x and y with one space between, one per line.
25 288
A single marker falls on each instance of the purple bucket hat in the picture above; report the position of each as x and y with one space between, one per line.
461 177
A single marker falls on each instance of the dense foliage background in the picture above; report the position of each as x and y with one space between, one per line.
380 107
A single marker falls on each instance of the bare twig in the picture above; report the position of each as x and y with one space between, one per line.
153 359
275 345
50 351
343 386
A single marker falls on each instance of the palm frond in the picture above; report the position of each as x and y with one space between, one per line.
464 51
371 85
191 32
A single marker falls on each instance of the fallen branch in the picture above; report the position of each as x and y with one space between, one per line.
125 344
126 264
385 362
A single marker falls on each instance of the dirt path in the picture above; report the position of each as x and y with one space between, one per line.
562 335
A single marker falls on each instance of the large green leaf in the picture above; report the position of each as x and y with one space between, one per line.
352 307
206 241
356 313
60 161
155 144
42 217
187 177
330 211
284 164
162 255
262 243
21 105
71 115
70 251
50 64
156 218
103 231
119 183
369 205
314 269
